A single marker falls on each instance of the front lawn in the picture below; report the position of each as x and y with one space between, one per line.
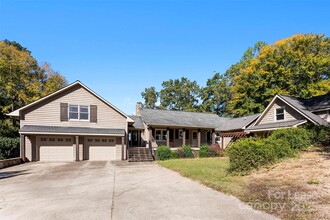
211 172
295 188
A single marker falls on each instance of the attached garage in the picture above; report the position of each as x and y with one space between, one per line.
100 148
55 148
67 144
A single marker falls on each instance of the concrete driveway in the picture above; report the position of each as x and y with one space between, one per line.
103 190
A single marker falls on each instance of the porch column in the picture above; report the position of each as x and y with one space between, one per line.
213 137
222 142
77 148
168 137
123 150
150 137
184 136
22 145
199 138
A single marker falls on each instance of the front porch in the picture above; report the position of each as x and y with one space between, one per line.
176 137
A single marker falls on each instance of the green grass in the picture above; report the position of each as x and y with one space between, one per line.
211 172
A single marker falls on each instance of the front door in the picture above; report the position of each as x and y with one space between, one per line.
136 138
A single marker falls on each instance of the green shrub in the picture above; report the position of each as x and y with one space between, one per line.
163 153
9 148
298 138
251 153
187 152
248 154
204 151
174 154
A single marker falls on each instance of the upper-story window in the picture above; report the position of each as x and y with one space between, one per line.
279 114
79 112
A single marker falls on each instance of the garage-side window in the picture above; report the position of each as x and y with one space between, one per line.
90 140
59 139
111 140
43 139
79 112
51 139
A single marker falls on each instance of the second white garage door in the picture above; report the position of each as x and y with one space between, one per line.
101 149
55 148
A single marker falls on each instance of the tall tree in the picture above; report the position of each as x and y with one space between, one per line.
21 81
150 97
179 94
216 95
297 66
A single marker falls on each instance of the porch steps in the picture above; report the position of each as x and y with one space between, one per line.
139 154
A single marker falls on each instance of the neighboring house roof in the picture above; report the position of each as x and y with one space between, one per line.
138 123
181 119
35 129
17 112
276 125
238 123
317 103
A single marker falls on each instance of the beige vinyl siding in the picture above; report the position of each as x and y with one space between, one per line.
48 112
289 113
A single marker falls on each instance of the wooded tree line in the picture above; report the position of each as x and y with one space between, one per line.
22 81
297 66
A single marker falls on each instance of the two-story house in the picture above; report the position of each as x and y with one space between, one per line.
72 124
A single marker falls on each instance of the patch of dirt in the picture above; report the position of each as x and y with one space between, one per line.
297 188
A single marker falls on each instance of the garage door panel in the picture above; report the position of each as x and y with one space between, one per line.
55 149
101 149
102 153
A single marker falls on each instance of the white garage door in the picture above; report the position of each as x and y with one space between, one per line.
101 149
55 148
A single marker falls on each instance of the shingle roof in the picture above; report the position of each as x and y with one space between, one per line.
317 103
70 130
138 123
180 118
238 123
275 125
301 105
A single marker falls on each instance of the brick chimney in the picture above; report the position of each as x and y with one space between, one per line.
138 109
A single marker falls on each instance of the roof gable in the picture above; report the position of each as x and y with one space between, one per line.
76 83
295 104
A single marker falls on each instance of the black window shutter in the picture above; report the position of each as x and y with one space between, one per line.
176 134
64 111
187 134
93 114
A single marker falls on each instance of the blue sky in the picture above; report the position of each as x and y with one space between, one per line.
118 48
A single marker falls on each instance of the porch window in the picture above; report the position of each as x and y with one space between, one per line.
161 134
279 114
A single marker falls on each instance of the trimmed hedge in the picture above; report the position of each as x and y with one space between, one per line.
9 147
251 153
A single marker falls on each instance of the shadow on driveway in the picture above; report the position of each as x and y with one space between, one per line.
9 174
